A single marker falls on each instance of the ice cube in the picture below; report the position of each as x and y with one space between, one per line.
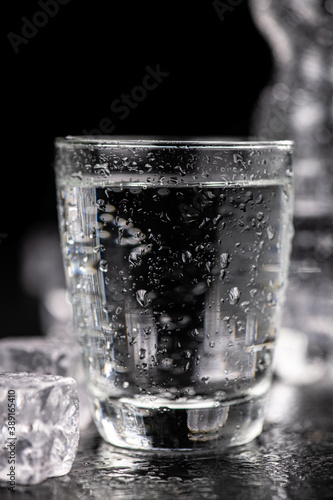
48 356
39 419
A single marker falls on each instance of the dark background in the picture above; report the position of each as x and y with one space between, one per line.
63 80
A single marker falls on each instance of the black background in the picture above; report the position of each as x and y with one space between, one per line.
65 78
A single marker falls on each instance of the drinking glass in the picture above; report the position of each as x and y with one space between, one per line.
176 257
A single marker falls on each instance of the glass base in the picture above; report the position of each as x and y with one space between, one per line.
165 427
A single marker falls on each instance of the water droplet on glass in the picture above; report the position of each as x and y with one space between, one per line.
92 233
173 180
103 265
99 248
120 234
259 199
260 216
216 219
204 222
270 232
142 353
224 260
142 298
100 204
186 256
234 295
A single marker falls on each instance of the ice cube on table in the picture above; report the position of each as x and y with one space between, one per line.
48 356
39 422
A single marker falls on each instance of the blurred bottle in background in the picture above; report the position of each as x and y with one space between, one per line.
298 105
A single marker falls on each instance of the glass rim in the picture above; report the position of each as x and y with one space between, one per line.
172 143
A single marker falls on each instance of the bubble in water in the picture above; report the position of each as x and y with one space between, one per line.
234 295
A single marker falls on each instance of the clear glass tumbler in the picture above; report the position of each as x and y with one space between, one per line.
176 257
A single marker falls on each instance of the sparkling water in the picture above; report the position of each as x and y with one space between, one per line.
176 295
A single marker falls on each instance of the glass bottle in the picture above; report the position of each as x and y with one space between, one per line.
298 104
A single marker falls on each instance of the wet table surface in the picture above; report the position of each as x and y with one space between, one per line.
292 459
